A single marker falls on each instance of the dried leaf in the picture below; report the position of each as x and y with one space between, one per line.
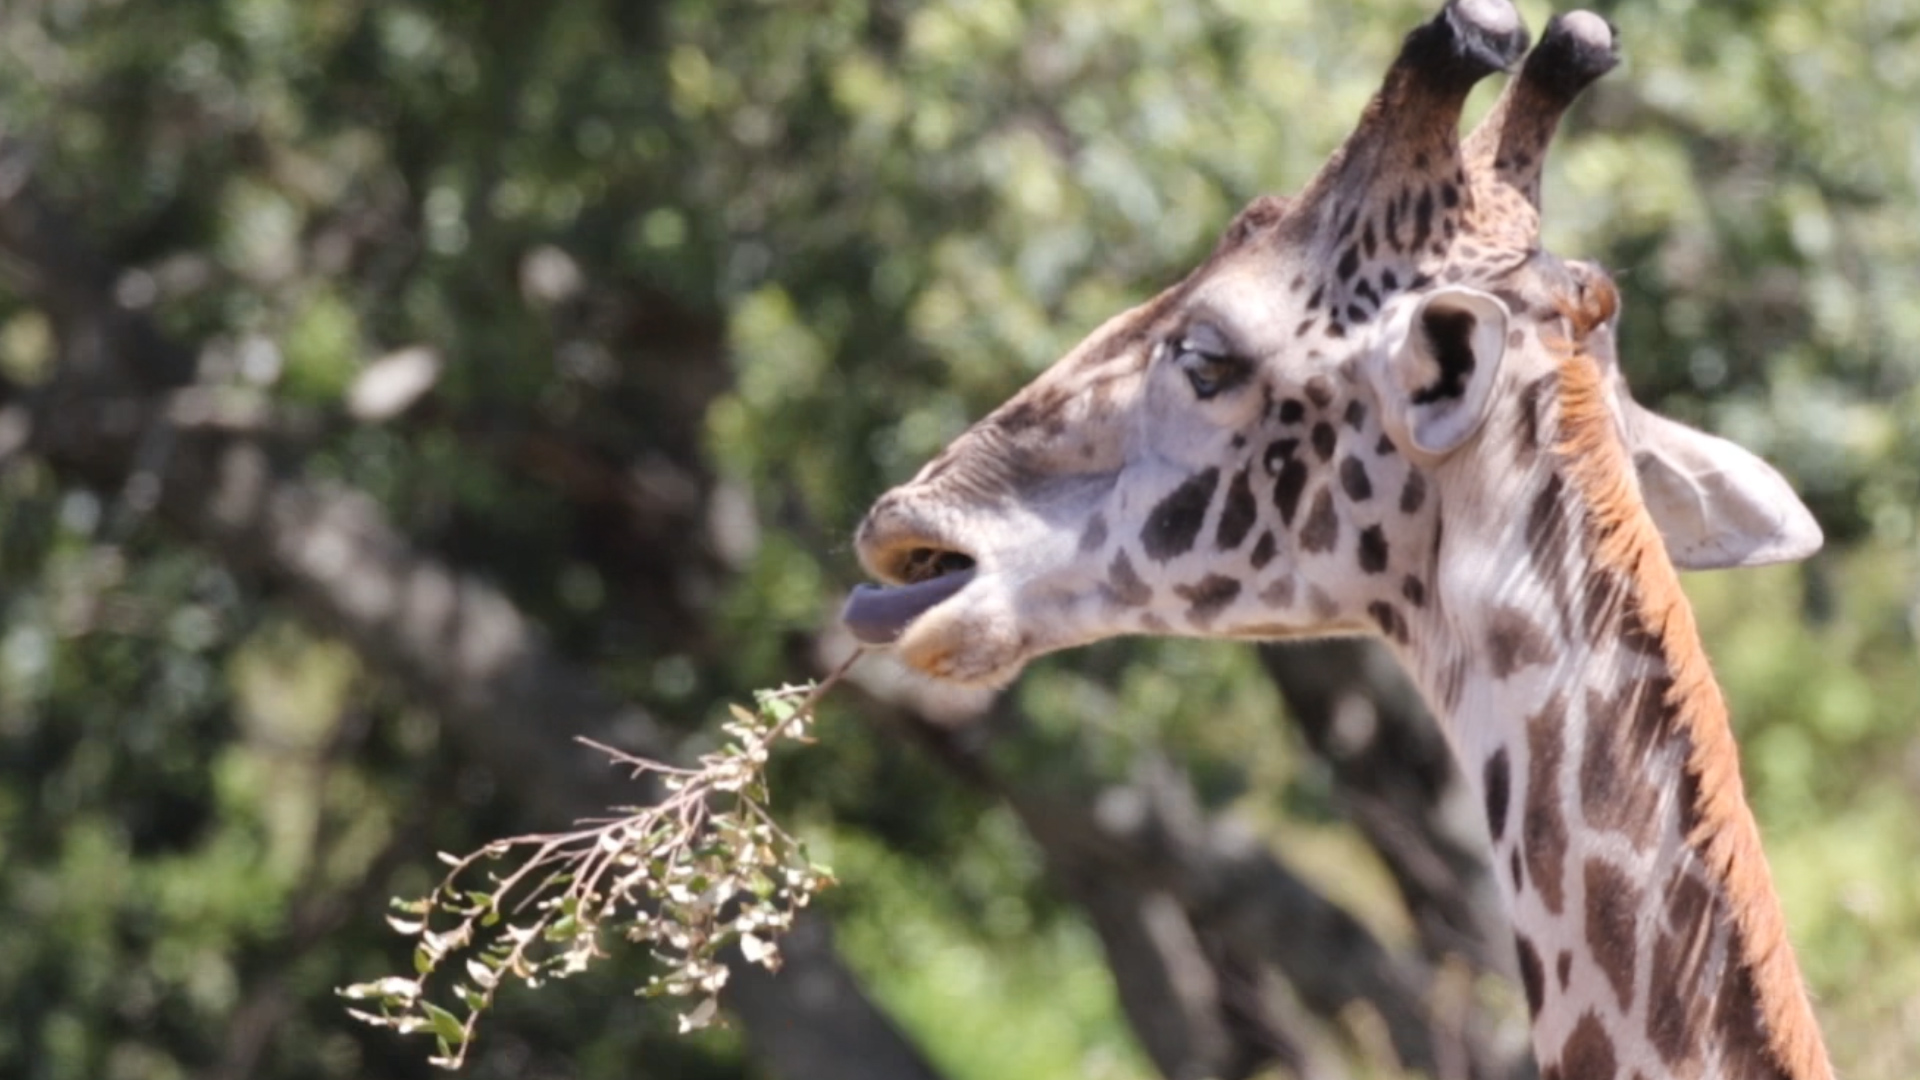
700 1017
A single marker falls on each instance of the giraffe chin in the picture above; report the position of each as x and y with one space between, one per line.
966 644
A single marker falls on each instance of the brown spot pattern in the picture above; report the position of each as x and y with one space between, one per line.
1414 494
1601 598
1094 536
1642 720
1497 782
1531 404
1322 604
1514 641
1550 542
1207 597
1676 1005
1322 528
1687 899
1548 536
1613 906
1532 976
1323 441
1237 516
1387 617
1287 489
1544 833
1175 522
1636 635
1736 1020
1353 479
1373 549
1124 586
1262 550
1614 793
1588 1053
1279 593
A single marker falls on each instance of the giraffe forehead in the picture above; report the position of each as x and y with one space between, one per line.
1259 295
1288 311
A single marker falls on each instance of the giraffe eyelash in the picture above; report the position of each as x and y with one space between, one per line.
1211 366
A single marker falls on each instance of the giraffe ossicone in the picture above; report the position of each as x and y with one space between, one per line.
1381 406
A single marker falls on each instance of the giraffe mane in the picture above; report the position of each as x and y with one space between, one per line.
1722 829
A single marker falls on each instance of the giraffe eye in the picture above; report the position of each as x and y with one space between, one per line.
1203 355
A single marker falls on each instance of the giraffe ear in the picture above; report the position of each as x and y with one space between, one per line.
1716 504
1435 372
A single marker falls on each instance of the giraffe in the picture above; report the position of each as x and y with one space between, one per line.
1380 406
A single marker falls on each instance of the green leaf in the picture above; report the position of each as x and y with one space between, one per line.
446 1025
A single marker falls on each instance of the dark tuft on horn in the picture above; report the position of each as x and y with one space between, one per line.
1409 135
1577 48
1505 154
1467 41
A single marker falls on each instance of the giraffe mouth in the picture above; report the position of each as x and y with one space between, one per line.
879 614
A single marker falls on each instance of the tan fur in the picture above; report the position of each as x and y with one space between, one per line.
1724 833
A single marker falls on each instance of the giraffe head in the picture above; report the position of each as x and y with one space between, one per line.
1305 436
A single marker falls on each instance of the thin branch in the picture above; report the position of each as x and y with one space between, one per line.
697 872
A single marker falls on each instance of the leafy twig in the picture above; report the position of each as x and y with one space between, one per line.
704 868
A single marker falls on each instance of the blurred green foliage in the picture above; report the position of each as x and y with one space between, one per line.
744 263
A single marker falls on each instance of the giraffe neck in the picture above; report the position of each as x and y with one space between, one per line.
1576 693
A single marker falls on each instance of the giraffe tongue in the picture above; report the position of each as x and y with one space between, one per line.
879 614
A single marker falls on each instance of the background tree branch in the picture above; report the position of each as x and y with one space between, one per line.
1395 775
1220 951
